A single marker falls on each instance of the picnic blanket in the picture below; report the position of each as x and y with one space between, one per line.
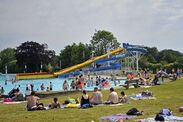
116 117
119 104
167 119
70 105
140 97
145 86
18 102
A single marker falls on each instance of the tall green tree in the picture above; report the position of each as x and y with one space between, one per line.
102 41
168 56
65 56
152 54
75 54
32 55
166 59
7 58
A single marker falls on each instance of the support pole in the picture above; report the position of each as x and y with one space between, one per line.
137 61
6 69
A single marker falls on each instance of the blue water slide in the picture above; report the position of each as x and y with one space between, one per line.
137 50
127 45
111 66
107 68
70 74
134 48
117 57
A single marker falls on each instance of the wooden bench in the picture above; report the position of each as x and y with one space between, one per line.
134 82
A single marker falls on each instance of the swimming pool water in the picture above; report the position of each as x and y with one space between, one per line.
57 83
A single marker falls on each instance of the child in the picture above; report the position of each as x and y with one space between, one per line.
123 98
54 104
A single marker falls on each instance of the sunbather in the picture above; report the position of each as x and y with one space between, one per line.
85 102
18 96
96 97
123 98
54 104
33 102
113 97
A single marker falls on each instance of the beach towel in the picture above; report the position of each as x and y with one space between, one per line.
167 119
18 102
119 104
70 105
145 86
115 118
140 97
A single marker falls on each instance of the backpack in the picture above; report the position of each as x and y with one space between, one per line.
134 111
165 112
147 94
159 117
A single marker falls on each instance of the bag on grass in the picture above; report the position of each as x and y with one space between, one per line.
147 94
134 111
40 106
165 112
159 117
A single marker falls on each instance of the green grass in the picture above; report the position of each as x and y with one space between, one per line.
169 95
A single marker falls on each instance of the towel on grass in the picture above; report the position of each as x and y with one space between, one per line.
18 102
145 86
167 119
140 97
116 117
110 104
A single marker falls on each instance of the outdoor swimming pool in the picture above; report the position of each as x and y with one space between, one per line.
57 83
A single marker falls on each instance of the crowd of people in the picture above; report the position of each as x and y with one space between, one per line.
86 101
80 82
145 76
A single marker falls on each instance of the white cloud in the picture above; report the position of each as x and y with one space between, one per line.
61 22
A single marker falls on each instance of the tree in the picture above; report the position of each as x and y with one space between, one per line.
169 56
102 41
65 56
152 54
166 59
7 57
75 54
32 55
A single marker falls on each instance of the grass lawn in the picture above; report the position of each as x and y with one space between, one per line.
169 95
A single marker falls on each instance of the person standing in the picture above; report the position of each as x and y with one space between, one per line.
32 87
27 92
73 85
5 82
42 87
51 86
2 91
65 86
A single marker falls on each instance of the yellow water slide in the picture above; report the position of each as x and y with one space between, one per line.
26 76
88 62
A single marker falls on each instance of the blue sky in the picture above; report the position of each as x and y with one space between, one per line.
58 23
